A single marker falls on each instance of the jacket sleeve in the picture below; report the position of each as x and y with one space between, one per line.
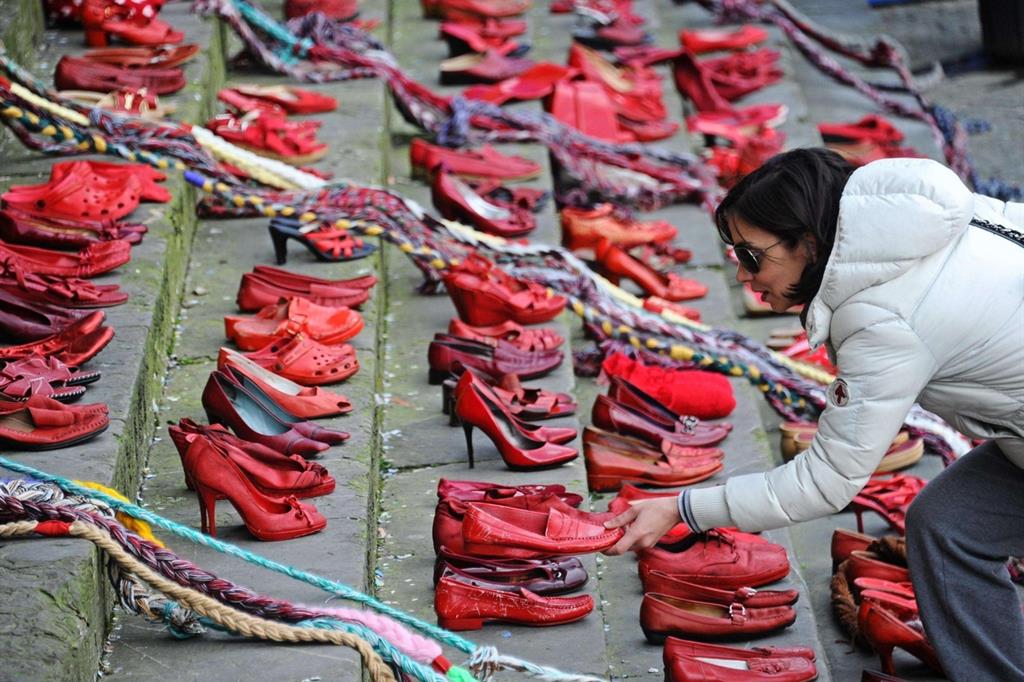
884 367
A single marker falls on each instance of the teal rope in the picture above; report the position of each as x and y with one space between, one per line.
273 28
191 534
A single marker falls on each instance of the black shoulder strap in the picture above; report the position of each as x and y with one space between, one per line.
1004 232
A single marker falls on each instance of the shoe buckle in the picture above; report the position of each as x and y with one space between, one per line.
737 613
688 424
745 592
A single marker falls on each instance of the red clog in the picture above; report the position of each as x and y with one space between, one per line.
470 164
77 195
114 175
307 362
329 326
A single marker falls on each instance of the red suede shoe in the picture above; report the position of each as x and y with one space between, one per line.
471 164
456 200
490 530
257 291
307 362
42 423
302 401
705 395
718 559
329 326
466 603
484 294
584 228
703 40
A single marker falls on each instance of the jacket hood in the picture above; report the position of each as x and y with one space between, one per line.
893 213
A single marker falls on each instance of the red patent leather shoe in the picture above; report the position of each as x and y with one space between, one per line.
662 615
256 291
271 472
470 164
611 415
484 294
481 491
889 627
95 259
41 423
718 559
302 401
699 41
518 450
307 362
74 73
527 340
329 326
608 468
489 67
447 352
75 345
490 530
540 576
614 263
229 404
34 229
585 228
456 200
663 583
466 603
216 476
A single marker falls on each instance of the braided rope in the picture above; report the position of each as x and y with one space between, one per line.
232 619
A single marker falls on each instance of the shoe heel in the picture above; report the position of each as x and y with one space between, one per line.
207 511
885 657
446 398
859 513
457 624
436 377
212 418
453 419
280 246
655 637
95 37
188 482
467 429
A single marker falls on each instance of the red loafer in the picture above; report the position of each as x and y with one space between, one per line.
608 468
490 530
663 583
540 576
480 491
95 259
256 292
662 616
464 603
18 226
724 666
717 559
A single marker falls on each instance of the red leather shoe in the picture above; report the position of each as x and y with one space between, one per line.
629 394
609 415
887 627
456 200
845 542
663 583
463 39
287 98
41 423
725 668
271 472
490 27
24 320
484 294
53 232
329 326
738 123
703 40
270 135
662 615
257 291
128 21
302 401
470 164
527 404
527 340
488 67
518 450
307 362
558 435
74 73
493 361
718 559
465 603
587 107
676 646
216 476
491 530
614 263
481 491
541 576
609 468
695 84
152 57
864 564
95 259
635 93
74 346
584 228
229 404
287 278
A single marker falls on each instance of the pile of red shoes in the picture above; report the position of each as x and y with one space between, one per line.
501 554
53 237
634 438
874 598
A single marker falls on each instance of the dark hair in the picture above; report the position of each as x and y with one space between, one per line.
794 195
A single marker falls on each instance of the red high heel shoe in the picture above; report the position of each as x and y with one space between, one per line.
456 200
302 401
102 19
888 627
527 404
615 263
519 451
216 476
553 434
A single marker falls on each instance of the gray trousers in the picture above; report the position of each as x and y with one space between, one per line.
961 529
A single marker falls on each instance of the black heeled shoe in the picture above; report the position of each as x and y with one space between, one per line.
329 244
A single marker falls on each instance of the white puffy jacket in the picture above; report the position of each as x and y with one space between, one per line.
917 305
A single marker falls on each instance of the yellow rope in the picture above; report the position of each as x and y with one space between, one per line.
47 105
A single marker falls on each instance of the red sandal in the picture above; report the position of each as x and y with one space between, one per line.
271 135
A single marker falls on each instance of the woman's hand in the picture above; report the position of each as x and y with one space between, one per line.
646 521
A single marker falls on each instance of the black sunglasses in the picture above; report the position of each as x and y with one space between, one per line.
749 257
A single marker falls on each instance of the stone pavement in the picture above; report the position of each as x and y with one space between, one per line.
378 536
